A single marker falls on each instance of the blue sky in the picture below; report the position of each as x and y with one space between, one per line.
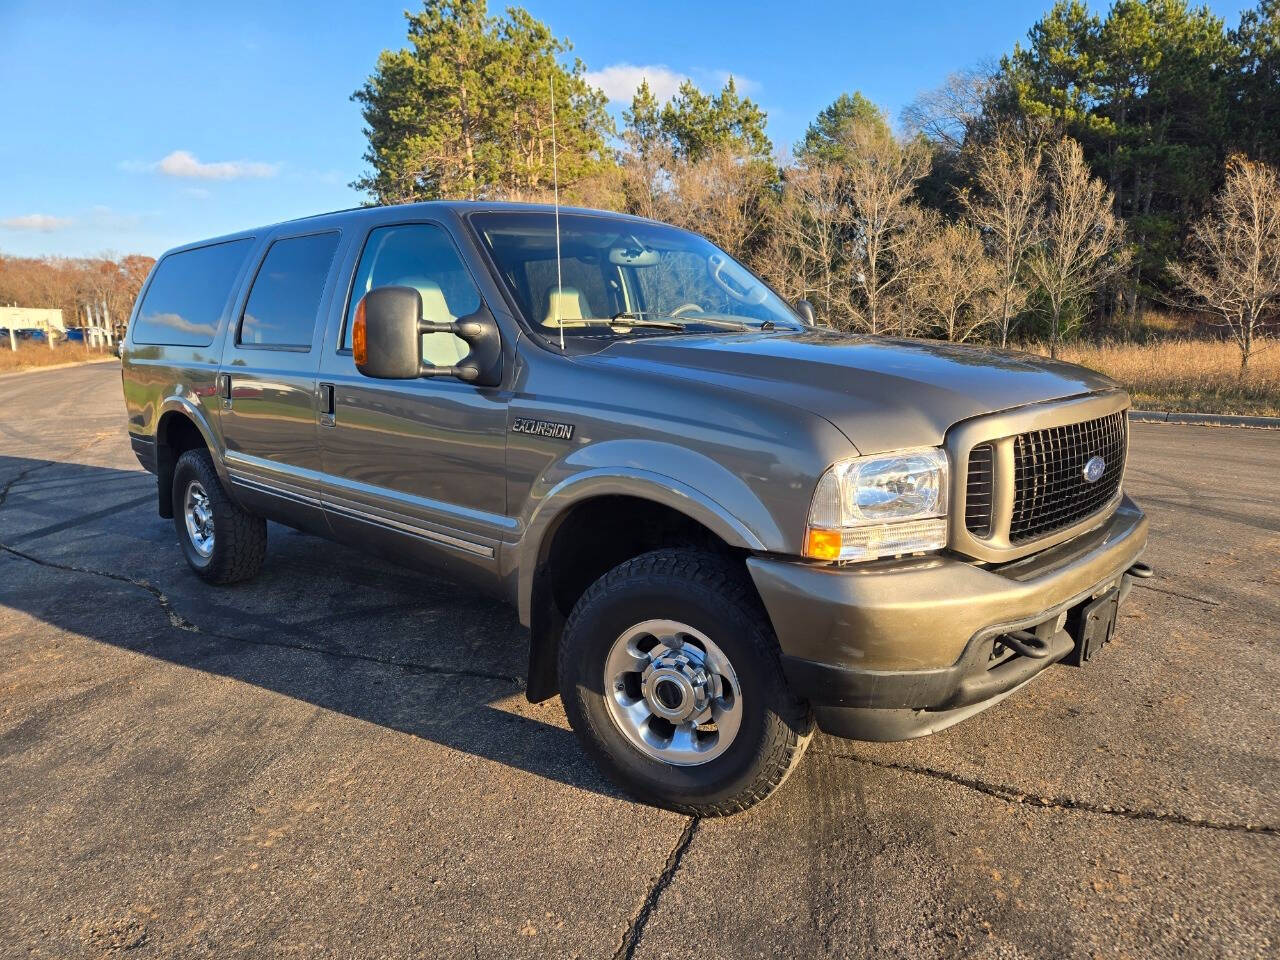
134 126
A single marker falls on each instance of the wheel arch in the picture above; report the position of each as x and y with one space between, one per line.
595 521
181 426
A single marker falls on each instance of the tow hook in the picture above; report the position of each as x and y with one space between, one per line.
1027 643
1137 571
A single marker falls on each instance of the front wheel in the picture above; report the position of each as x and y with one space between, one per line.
670 675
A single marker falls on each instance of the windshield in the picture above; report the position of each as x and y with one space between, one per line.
614 270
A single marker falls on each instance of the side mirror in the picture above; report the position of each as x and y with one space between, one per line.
386 339
805 309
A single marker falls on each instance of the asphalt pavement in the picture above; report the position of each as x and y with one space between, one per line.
337 758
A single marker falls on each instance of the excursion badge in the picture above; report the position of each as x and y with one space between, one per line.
542 428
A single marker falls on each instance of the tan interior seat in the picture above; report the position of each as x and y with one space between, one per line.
441 349
570 302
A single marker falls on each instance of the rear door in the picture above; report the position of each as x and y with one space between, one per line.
416 466
267 381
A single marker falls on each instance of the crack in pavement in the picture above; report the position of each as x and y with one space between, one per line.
22 475
1014 795
635 929
179 622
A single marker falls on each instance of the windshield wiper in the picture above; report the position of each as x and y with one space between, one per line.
679 323
624 320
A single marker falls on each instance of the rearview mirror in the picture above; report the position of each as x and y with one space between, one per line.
805 309
634 256
386 340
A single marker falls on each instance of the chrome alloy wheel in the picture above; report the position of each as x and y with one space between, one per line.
672 692
198 513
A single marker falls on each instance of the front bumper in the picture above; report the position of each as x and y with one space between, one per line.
900 648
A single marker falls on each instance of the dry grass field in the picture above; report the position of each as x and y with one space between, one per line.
1189 376
31 354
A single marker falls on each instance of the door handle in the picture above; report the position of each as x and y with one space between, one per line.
328 412
224 390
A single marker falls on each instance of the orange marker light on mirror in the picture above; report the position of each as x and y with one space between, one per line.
823 544
359 345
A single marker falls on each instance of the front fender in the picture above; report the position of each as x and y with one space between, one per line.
661 472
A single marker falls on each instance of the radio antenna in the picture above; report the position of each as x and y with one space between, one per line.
555 186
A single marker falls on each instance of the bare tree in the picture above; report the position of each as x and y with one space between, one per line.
645 177
947 114
1232 268
809 234
1006 207
69 284
956 287
720 195
882 174
1080 240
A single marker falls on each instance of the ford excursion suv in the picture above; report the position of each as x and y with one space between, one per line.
722 524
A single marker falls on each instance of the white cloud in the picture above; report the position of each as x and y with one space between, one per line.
181 163
186 165
40 222
620 81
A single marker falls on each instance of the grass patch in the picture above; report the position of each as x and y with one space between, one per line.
1185 376
30 355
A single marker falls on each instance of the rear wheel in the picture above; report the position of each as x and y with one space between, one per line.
222 543
670 675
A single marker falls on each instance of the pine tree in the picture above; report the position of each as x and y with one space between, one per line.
464 110
696 124
826 140
1255 121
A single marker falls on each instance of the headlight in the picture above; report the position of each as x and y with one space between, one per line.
879 506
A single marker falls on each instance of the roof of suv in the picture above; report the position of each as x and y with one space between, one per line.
473 206
457 207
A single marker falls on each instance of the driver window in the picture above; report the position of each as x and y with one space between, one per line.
421 256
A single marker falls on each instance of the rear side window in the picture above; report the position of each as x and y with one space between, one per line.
287 291
187 295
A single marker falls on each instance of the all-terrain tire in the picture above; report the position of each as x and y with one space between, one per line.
239 537
712 594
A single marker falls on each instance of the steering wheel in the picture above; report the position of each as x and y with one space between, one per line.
687 308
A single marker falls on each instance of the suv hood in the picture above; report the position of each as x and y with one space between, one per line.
883 394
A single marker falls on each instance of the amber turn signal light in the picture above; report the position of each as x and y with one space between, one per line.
823 544
359 345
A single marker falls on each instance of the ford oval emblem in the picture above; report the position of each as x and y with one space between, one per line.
1093 469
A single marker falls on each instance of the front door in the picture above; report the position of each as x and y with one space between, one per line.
417 466
268 382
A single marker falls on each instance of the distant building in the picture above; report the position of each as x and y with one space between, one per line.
31 318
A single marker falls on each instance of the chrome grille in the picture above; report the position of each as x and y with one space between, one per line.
978 491
1050 489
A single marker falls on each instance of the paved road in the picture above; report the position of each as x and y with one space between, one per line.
337 760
